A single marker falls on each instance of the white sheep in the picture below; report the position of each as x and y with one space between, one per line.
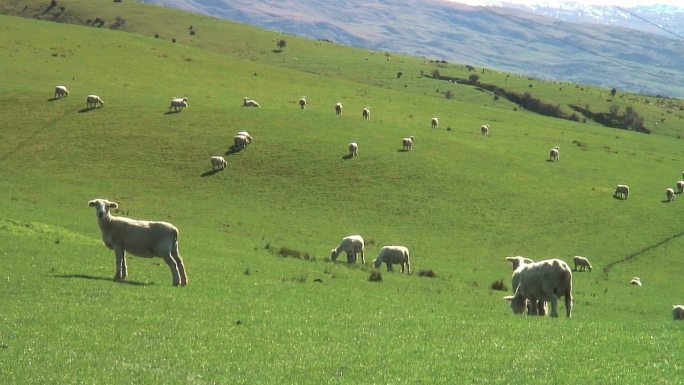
338 108
680 186
93 100
302 102
353 149
517 261
678 312
60 91
246 135
582 263
218 162
393 255
366 113
621 191
670 194
554 154
434 122
178 104
407 143
249 102
141 238
484 129
636 281
352 245
543 281
240 141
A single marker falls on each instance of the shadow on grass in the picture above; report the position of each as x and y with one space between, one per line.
86 109
53 99
94 278
402 150
169 112
210 172
348 156
618 198
234 150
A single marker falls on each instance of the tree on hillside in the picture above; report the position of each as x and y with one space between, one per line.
281 44
613 92
474 78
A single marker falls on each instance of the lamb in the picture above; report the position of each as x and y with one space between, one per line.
680 186
352 245
670 194
678 312
621 191
636 281
353 149
218 162
93 100
302 102
338 109
240 141
366 113
484 129
392 255
249 102
435 122
142 238
554 154
60 91
408 143
246 135
582 263
543 281
178 103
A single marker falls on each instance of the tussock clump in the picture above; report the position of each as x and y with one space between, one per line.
498 285
375 276
427 273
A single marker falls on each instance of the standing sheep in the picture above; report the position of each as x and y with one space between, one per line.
407 143
141 238
249 102
60 91
366 113
352 245
302 102
670 194
240 141
554 154
582 263
353 149
621 191
338 109
246 135
218 162
392 255
678 312
93 100
434 122
178 104
680 186
484 129
543 281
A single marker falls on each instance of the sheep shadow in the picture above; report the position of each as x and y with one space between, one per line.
618 198
234 150
94 278
169 112
53 99
210 172
86 109
348 156
402 150
666 201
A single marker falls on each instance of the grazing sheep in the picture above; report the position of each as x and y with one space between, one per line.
249 102
178 103
141 238
246 135
218 162
484 129
669 193
352 245
93 100
621 191
678 312
338 109
302 102
434 122
407 143
366 113
582 263
517 261
353 149
543 281
60 91
636 281
554 154
392 255
680 186
240 141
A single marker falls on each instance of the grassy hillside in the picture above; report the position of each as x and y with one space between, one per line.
460 201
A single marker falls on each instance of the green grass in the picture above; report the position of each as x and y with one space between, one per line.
460 201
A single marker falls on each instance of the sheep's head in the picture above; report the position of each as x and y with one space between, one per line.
333 254
377 262
102 207
518 303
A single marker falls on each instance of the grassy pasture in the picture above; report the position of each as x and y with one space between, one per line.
460 201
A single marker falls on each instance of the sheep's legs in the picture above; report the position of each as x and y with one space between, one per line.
554 306
121 268
174 269
568 303
175 254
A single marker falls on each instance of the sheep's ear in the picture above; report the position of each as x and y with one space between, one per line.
509 298
112 205
91 203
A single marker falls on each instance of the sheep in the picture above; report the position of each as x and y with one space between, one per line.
366 113
621 191
93 100
338 108
678 312
246 135
434 122
554 154
302 102
670 194
636 281
392 255
240 141
218 162
680 186
60 91
352 245
484 129
249 102
582 263
140 238
543 281
408 143
518 260
178 103
353 149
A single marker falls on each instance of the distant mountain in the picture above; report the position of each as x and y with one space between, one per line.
504 38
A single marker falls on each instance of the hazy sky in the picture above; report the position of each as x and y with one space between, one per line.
622 3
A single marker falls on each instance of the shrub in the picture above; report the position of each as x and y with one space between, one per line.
427 273
498 285
375 276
